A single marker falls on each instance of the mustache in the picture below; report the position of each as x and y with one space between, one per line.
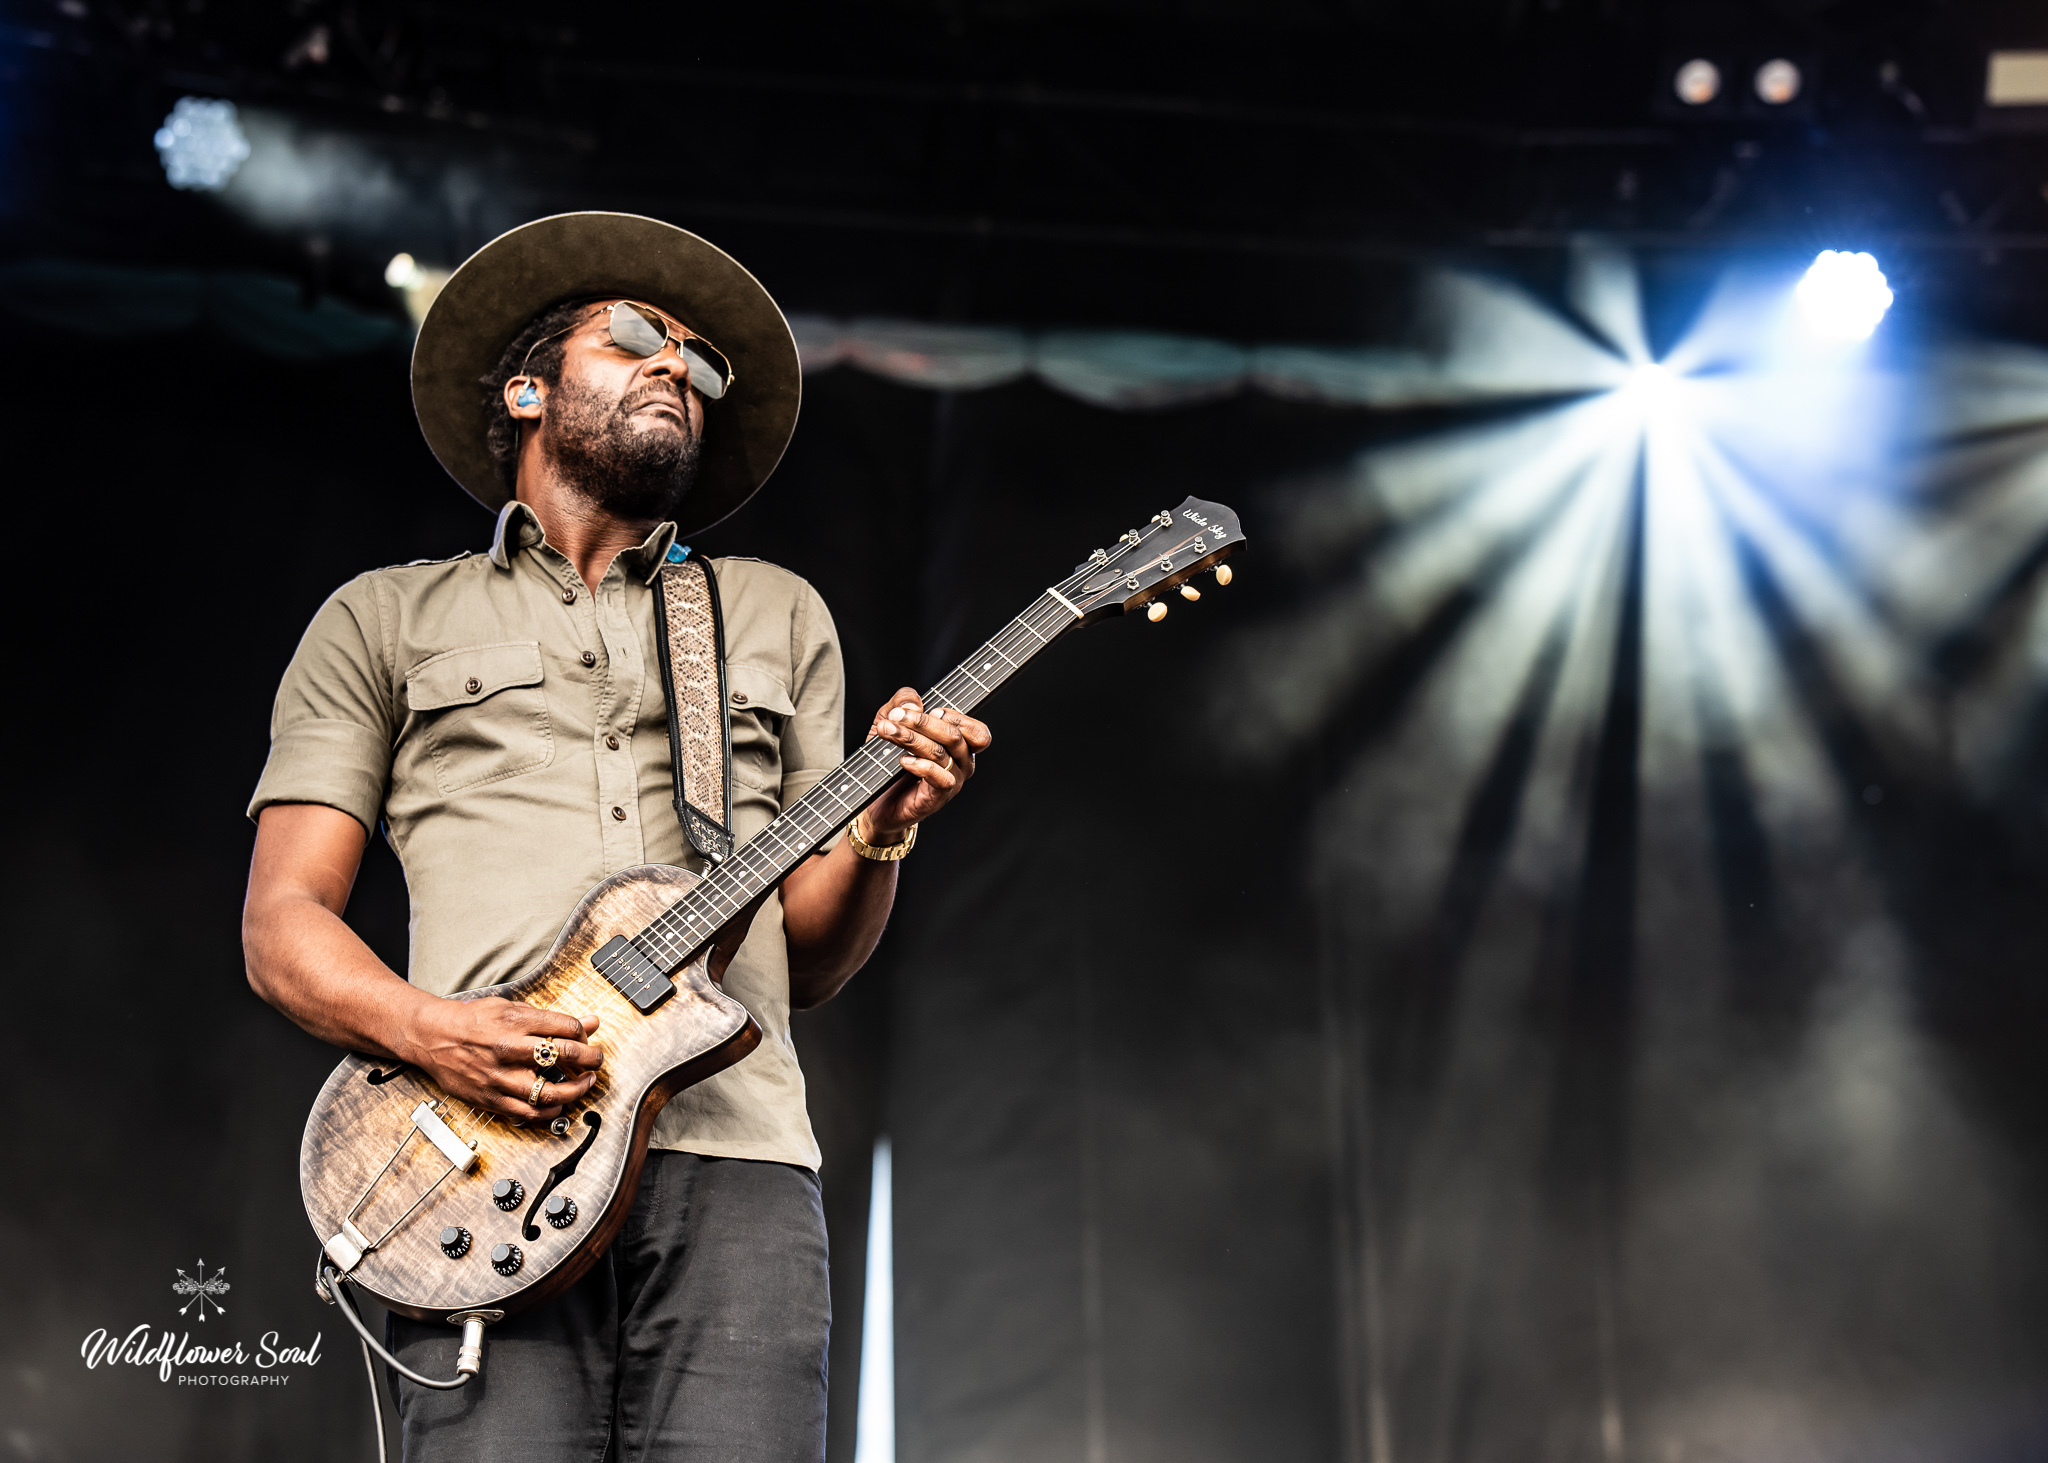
655 393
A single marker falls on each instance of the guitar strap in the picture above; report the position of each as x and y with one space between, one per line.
692 635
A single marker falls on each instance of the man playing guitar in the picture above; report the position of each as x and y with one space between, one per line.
502 717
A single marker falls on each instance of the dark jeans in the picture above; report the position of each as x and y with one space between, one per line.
700 1335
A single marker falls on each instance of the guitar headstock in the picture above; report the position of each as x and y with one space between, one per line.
1147 564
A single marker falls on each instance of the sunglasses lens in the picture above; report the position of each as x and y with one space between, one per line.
708 369
636 332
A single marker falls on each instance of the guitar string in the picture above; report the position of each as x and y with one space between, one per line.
751 864
802 827
714 891
944 694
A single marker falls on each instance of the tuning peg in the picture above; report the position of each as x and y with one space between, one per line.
1156 613
1223 574
1188 591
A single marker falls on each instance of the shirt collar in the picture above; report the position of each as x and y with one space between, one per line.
519 528
644 561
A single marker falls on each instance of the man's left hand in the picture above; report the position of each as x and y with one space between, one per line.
939 749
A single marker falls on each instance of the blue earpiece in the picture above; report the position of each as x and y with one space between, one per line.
527 396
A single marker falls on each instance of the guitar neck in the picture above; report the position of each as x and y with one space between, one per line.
766 859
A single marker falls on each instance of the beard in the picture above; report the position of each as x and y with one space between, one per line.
630 472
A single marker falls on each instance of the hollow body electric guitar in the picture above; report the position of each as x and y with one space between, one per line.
446 1212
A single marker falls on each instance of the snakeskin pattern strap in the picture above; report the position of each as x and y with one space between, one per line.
699 728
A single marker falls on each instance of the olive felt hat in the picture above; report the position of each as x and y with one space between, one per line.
575 256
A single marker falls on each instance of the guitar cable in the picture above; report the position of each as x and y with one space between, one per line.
332 1286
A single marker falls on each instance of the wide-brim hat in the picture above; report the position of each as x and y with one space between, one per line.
574 256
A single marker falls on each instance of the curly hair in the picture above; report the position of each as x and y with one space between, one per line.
547 328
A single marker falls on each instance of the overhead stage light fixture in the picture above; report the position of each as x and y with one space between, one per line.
2017 79
1777 82
201 144
1843 295
1697 82
418 283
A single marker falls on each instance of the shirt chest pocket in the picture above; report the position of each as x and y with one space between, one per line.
760 703
482 714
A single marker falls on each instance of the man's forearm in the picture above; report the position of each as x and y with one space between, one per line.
304 960
310 965
835 906
301 956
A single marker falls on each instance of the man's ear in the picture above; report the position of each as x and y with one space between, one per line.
524 398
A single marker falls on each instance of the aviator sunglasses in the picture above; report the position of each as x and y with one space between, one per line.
640 332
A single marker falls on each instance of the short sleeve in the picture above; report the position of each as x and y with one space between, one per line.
335 719
812 739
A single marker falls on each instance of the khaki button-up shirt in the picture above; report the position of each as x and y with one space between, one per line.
506 724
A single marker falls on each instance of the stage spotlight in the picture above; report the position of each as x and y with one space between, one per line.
1651 384
201 144
418 283
1843 295
1777 82
1698 82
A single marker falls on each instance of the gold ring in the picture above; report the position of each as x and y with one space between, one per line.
539 1086
544 1054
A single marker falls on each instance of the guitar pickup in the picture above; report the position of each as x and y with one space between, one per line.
637 978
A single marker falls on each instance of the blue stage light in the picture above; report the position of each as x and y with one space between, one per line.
1843 295
201 144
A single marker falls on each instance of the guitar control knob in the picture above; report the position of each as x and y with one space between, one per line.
506 1259
454 1241
561 1211
1156 613
506 1194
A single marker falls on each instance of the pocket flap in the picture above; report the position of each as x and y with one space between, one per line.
464 677
750 688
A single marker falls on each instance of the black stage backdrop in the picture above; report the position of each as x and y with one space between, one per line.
1207 1147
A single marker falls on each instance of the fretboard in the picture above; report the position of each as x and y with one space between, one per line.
766 859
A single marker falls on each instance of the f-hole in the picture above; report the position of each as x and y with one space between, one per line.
378 1079
560 1171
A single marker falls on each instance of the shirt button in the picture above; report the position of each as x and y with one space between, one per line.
568 595
619 813
589 658
739 698
472 685
612 742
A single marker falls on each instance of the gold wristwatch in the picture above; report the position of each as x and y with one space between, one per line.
886 853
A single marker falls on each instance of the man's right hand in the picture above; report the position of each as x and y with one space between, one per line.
482 1052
